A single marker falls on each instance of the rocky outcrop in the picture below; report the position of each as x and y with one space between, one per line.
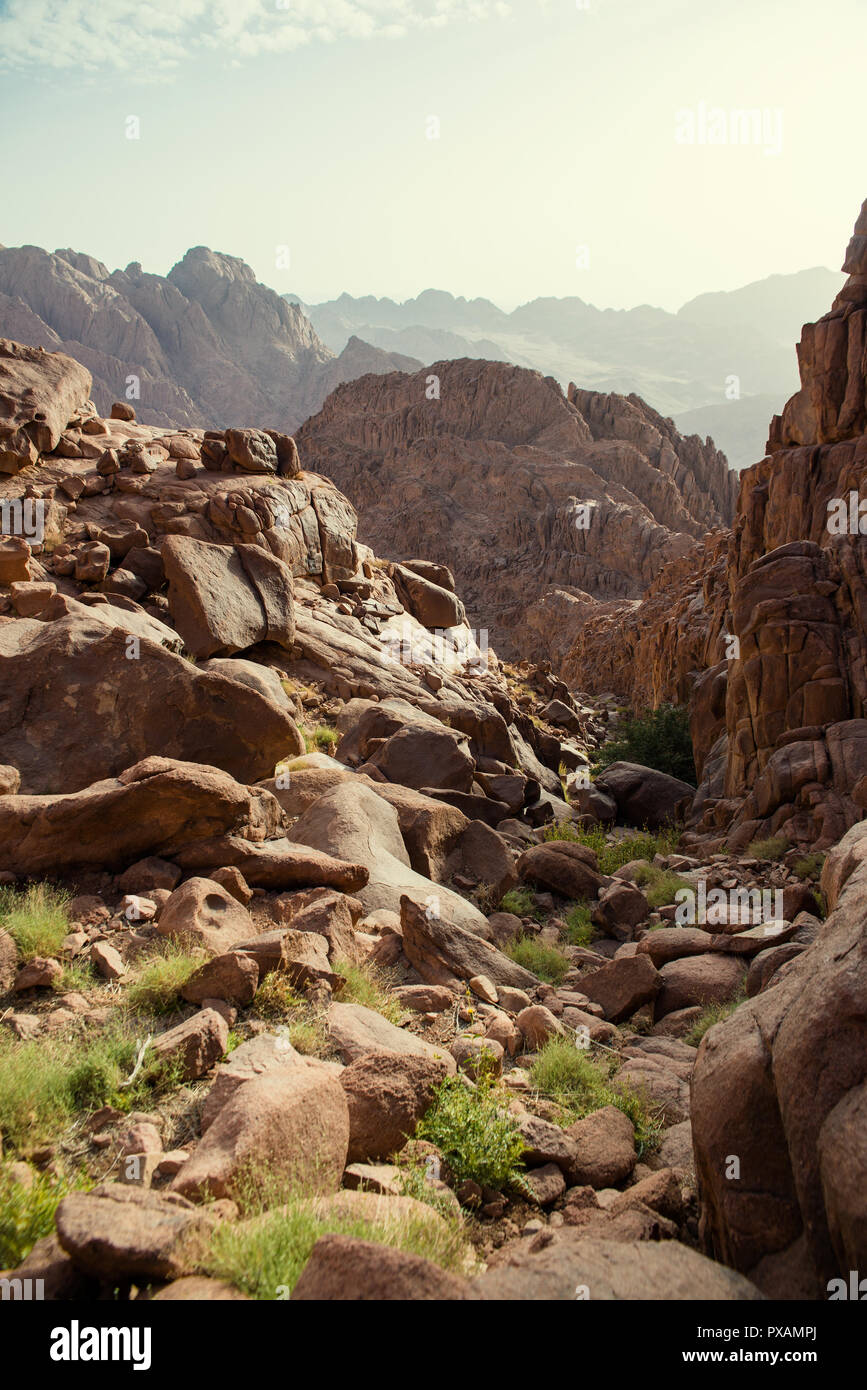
39 393
522 487
206 344
778 1087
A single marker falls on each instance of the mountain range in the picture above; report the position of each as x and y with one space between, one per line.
720 366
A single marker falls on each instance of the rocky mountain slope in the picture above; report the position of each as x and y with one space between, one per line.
779 711
517 487
302 891
680 363
207 344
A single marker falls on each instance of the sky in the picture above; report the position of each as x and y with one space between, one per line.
502 149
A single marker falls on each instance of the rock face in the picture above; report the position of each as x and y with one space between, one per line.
765 635
39 392
779 1085
227 598
498 468
108 711
207 344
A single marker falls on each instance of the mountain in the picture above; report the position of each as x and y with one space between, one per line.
679 363
517 486
208 343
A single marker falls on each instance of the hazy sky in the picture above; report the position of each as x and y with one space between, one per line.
305 124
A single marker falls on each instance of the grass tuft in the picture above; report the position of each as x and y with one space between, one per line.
36 917
545 962
580 1084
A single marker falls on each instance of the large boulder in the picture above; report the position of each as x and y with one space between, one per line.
354 823
153 808
202 913
224 599
117 1232
388 1093
426 757
444 952
433 605
118 700
341 1268
777 1085
563 866
356 1030
569 1264
643 795
40 392
290 1124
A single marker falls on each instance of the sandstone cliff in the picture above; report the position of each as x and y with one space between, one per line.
517 487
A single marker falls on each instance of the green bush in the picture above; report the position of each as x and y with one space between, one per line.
545 962
659 885
714 1013
580 931
613 856
568 1075
810 866
774 847
477 1137
264 1254
27 1210
521 903
36 918
658 738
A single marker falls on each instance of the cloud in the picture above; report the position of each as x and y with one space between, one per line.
153 37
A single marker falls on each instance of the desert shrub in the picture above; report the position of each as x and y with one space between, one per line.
156 984
659 885
264 1254
27 1209
364 984
580 1084
580 931
810 865
612 856
521 903
657 738
714 1013
476 1136
774 847
275 998
545 962
36 918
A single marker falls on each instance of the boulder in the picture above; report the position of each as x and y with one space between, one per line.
39 394
232 976
703 979
563 866
353 822
344 1268
569 1264
643 795
195 1045
432 604
623 986
122 699
620 909
155 807
273 864
604 1148
387 1093
417 756
226 598
291 1124
356 1031
116 1232
444 952
202 913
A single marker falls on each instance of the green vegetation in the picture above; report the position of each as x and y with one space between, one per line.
772 848
810 866
44 1083
476 1136
521 903
366 985
36 918
580 931
27 1209
714 1013
580 1084
546 962
322 740
275 998
657 738
156 985
612 856
264 1254
659 885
